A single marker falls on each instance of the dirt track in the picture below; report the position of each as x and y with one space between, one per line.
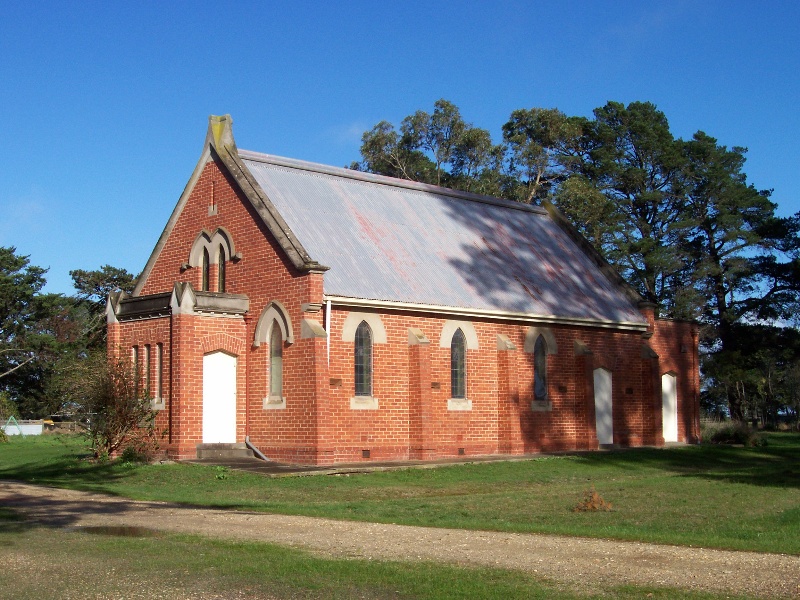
577 562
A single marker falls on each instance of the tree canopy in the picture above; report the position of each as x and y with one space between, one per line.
93 289
676 218
43 337
439 148
21 308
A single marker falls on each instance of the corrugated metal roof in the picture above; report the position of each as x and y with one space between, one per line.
391 240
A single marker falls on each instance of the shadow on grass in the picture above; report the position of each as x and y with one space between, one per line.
774 465
68 472
12 522
58 512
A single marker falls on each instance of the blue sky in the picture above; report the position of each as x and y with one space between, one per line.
105 104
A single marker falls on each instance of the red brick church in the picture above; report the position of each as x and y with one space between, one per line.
326 315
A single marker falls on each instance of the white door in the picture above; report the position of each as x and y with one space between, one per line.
669 407
603 409
219 398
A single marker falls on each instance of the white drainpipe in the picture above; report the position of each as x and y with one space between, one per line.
328 328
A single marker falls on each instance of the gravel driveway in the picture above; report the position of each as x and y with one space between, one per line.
577 562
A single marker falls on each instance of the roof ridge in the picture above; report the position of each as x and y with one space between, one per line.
346 173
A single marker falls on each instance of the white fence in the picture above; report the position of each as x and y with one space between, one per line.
14 427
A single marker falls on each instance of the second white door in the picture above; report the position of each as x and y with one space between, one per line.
669 407
603 406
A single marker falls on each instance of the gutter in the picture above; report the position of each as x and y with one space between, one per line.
484 313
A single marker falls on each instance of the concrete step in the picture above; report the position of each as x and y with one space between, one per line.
223 451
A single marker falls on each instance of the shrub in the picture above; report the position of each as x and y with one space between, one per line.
734 432
107 397
135 453
119 414
8 408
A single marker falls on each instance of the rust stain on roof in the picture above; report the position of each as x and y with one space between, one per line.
405 242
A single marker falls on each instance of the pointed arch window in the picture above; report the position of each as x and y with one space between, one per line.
206 270
540 370
276 362
363 360
135 370
157 401
221 269
274 328
146 370
458 365
216 249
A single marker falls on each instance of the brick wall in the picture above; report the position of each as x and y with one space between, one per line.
150 333
263 274
676 343
500 386
411 382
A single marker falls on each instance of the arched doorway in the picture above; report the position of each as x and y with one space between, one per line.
219 398
669 407
603 406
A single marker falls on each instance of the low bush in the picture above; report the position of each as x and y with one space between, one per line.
136 454
110 398
734 432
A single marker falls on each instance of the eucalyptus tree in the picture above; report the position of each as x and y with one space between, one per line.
439 148
387 152
438 135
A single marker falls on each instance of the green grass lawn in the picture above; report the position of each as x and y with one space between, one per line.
45 563
723 497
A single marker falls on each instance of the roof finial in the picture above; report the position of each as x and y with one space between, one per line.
220 131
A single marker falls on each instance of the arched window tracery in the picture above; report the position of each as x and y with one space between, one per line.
221 269
363 360
540 393
458 365
206 270
276 362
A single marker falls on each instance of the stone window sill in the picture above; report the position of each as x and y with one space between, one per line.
363 403
157 404
274 402
459 404
541 406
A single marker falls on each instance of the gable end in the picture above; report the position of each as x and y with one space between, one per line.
220 147
223 147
